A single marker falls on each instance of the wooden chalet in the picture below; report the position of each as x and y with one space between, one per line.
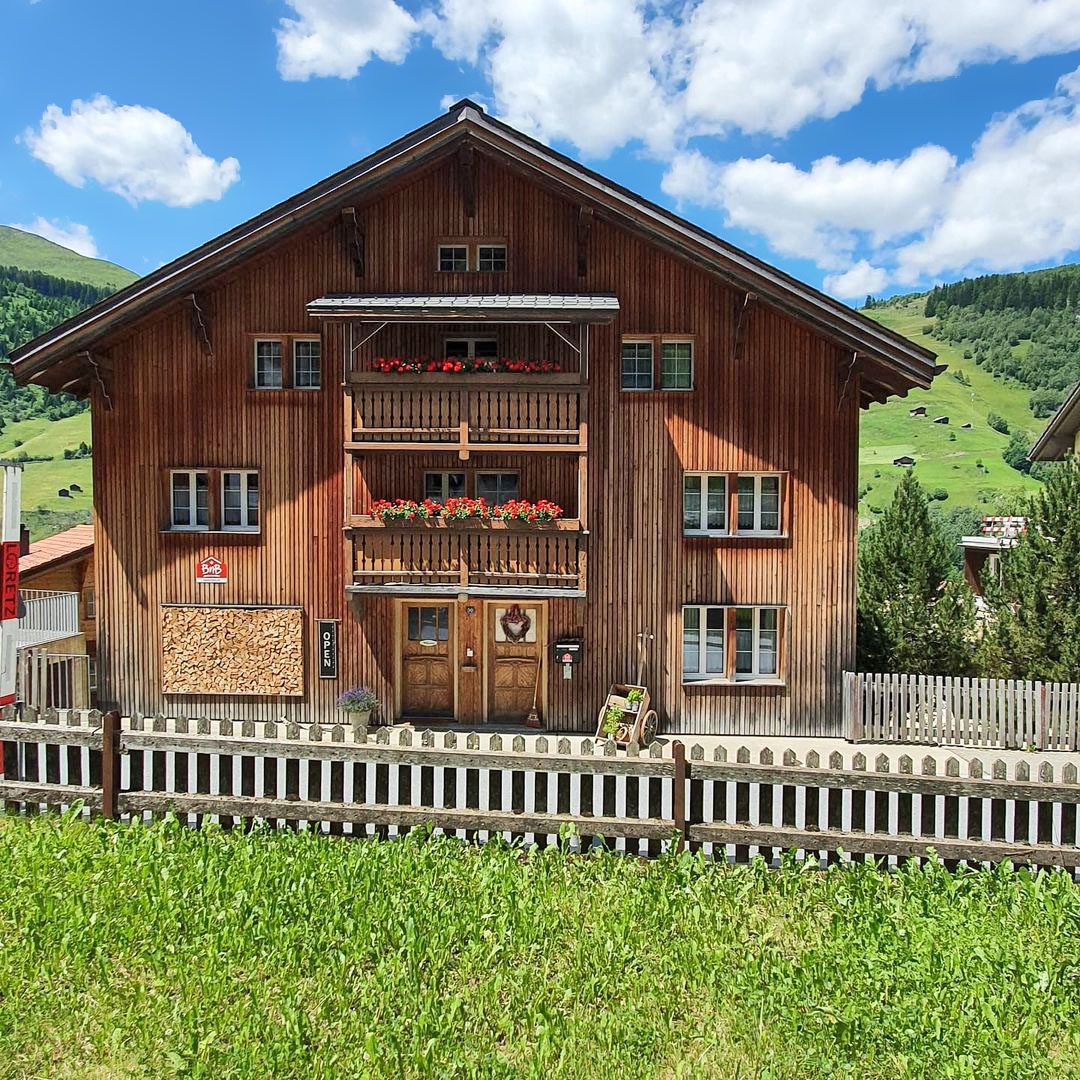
1061 436
693 412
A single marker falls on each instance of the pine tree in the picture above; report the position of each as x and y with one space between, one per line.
916 614
1033 624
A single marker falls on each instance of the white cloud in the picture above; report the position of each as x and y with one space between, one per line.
69 234
338 37
818 213
861 280
1014 202
608 72
138 152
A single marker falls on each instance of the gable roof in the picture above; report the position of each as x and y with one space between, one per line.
893 364
60 548
1058 437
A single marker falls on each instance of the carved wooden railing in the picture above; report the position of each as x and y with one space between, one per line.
508 412
458 556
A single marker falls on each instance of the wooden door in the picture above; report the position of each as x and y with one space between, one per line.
427 678
515 648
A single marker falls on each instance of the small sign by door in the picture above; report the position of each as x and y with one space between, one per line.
328 648
211 571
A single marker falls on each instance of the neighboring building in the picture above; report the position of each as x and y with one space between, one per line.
982 553
941 419
905 460
57 635
251 410
1061 435
919 410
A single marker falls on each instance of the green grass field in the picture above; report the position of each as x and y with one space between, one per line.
888 432
134 951
30 252
43 479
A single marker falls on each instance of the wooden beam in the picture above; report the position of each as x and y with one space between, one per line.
584 225
466 162
354 239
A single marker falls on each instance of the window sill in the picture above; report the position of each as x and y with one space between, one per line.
210 532
656 391
287 390
736 535
689 684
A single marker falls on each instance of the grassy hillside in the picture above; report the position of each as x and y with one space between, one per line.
947 456
30 252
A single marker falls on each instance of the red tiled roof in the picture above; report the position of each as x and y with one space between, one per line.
58 548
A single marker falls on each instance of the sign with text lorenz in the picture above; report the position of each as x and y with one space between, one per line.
328 648
211 571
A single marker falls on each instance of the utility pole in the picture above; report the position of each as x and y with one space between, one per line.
9 581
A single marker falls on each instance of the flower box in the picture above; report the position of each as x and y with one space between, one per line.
422 365
464 510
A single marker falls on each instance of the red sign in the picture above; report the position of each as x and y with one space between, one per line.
9 573
212 570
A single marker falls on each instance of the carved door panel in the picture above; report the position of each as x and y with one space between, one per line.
427 679
515 644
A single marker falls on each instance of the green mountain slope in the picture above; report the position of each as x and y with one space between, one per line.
29 252
966 464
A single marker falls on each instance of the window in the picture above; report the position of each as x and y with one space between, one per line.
637 365
677 365
759 503
190 507
92 673
756 652
89 605
704 503
307 364
240 500
267 365
731 644
491 258
497 488
442 486
453 258
471 348
429 623
703 643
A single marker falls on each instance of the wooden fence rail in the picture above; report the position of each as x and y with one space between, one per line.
942 710
350 782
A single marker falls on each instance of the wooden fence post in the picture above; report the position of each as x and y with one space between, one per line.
110 763
853 705
678 794
1040 705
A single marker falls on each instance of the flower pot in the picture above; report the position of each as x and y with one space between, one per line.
360 721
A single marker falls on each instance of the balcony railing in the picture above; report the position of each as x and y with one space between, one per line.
482 560
486 412
47 616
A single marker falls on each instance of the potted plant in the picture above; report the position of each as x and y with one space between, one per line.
358 703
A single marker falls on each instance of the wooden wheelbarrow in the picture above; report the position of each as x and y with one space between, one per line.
626 715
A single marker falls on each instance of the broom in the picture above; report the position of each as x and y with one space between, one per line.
533 719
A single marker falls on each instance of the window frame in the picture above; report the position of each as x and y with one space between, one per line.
245 508
703 503
268 340
730 675
732 529
657 343
309 340
480 248
515 473
89 604
629 339
451 246
193 500
444 476
471 342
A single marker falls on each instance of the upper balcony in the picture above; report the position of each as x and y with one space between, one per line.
47 615
520 383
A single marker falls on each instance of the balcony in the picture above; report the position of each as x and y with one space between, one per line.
47 616
481 559
508 413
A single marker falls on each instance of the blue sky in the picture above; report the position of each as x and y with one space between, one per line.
863 145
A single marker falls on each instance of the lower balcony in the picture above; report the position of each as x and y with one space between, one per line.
497 558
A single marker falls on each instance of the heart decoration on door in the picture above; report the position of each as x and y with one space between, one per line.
515 624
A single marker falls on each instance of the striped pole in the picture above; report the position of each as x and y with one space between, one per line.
9 582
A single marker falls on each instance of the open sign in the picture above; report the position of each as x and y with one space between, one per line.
211 570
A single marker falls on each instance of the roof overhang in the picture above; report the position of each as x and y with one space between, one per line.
886 362
1059 435
508 308
988 543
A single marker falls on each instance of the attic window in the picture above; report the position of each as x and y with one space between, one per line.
491 258
453 258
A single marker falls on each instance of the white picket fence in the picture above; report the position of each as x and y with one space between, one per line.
942 710
349 782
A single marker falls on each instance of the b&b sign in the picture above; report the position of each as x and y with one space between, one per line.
211 571
328 650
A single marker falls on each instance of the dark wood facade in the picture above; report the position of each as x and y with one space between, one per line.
772 393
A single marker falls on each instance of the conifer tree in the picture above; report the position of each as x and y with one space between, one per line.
916 614
1033 623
